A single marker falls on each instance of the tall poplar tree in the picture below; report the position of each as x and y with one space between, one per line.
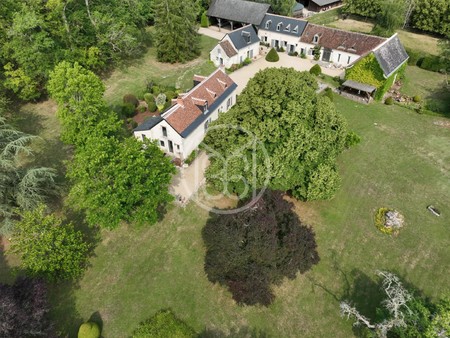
176 37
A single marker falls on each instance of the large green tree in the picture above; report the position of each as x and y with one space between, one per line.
120 180
176 35
22 185
301 132
81 108
48 247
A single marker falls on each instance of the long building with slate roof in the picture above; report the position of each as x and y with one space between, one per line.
237 12
391 55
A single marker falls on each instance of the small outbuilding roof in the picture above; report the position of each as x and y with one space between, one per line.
228 48
391 55
283 25
238 10
324 2
359 86
243 37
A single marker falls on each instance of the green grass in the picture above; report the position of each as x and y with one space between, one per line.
132 78
430 86
402 162
325 17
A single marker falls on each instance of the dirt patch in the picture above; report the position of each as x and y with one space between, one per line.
442 123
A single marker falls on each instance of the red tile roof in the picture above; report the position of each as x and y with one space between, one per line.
188 107
228 48
350 42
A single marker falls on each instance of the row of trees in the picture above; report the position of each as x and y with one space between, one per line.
428 15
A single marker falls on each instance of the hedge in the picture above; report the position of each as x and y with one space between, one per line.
89 330
315 70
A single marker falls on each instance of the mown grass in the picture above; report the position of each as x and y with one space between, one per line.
403 162
133 77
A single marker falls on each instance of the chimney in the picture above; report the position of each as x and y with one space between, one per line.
180 101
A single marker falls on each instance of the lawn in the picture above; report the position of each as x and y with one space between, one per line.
133 77
402 162
430 86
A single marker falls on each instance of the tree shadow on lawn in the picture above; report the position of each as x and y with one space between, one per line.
28 122
439 100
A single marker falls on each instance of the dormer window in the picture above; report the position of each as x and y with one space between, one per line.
279 26
295 30
316 39
268 24
288 28
246 36
205 107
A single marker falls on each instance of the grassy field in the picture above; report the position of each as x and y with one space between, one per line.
132 78
430 86
402 162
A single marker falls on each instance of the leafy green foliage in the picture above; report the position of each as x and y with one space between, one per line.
367 8
417 98
323 182
89 330
164 324
204 21
298 128
432 16
315 70
128 110
389 101
47 247
281 7
367 70
328 92
434 63
272 56
352 139
148 98
81 108
24 309
176 36
115 180
131 99
380 221
255 248
390 17
22 185
152 107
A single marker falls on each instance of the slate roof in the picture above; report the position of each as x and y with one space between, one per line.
324 2
391 55
228 48
187 113
238 10
350 42
271 21
359 86
149 123
243 37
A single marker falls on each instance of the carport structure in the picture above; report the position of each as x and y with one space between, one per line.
357 91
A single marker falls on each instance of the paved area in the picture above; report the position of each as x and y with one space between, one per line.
241 76
188 180
213 32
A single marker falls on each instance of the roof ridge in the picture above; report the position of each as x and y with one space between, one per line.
342 30
287 17
385 42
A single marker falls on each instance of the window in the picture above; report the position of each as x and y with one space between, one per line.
229 102
205 107
161 142
279 26
178 147
268 24
265 38
143 137
164 131
348 61
295 30
208 121
316 39
288 28
339 57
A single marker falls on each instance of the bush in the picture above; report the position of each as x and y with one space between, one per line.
433 63
164 324
329 93
131 99
293 53
303 55
414 56
416 98
156 90
89 330
167 105
389 101
132 123
204 22
148 97
272 56
192 156
280 49
152 107
170 95
128 110
352 139
315 70
142 109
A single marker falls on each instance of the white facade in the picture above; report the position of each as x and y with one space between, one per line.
219 57
337 56
172 143
290 43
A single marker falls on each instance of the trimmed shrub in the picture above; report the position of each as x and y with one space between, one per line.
389 101
131 99
164 324
89 330
141 109
132 123
204 21
148 97
272 56
128 110
433 63
192 156
303 55
417 98
247 61
152 106
156 90
315 70
167 105
329 93
171 95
